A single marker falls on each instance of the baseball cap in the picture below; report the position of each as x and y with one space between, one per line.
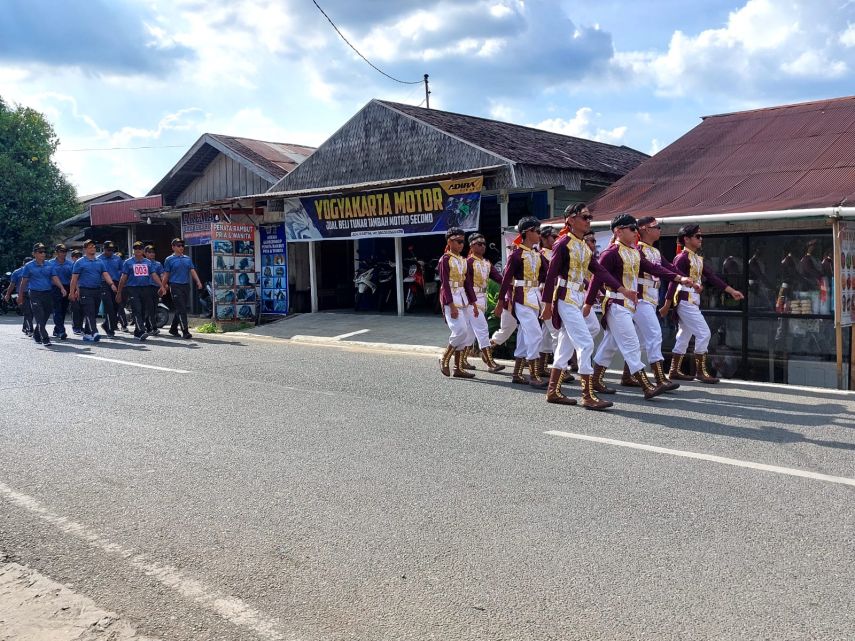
177 241
109 244
39 247
76 252
88 242
139 245
60 247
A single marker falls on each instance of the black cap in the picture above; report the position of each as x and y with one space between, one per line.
88 242
149 248
476 236
59 247
76 252
623 220
529 222
26 260
139 245
39 247
109 244
455 231
574 210
177 241
646 220
547 231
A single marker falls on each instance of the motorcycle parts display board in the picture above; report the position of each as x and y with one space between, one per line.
846 304
274 269
235 276
196 227
413 210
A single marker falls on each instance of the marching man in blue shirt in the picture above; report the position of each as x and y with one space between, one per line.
39 278
156 268
113 266
138 273
62 267
15 279
178 269
86 284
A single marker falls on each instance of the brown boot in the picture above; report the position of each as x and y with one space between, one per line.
553 389
459 372
626 378
541 365
661 379
598 381
464 359
701 371
650 390
533 379
675 374
589 398
518 378
568 377
445 361
492 365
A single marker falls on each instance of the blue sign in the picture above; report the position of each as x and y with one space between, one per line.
274 269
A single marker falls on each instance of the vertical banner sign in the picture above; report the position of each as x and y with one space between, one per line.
846 303
235 276
274 269
196 227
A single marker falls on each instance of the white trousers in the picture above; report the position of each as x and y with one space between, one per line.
461 327
593 323
507 326
691 323
649 331
529 334
620 335
574 335
480 329
549 338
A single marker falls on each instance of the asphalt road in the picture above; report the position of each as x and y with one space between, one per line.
281 491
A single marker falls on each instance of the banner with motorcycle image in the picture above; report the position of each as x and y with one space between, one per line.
235 277
429 208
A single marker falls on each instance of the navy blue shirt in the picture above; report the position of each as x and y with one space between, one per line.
138 272
39 275
112 265
178 268
90 272
62 270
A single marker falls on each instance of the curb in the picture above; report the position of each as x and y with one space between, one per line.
386 347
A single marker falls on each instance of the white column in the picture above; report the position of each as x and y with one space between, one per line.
399 274
503 222
313 277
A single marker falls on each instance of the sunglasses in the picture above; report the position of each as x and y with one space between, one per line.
630 227
587 217
698 236
479 242
39 251
653 227
455 240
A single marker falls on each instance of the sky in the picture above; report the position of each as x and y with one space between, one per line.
138 81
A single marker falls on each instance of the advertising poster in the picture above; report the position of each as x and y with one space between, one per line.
235 274
274 269
847 274
196 227
429 208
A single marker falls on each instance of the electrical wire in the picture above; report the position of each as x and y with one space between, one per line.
121 148
373 66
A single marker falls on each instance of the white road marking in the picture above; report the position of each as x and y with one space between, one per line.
349 334
230 608
115 360
842 480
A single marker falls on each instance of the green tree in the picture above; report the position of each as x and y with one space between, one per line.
34 194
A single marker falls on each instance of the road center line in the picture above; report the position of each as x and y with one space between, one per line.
115 360
230 608
842 480
349 334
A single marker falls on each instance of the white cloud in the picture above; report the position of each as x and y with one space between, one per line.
581 127
815 63
655 147
847 38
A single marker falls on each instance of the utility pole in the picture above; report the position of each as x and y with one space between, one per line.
427 92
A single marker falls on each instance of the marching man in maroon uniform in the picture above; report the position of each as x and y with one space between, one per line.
480 270
549 333
524 273
690 320
623 261
458 303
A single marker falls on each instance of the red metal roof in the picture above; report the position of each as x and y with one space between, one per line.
789 157
122 211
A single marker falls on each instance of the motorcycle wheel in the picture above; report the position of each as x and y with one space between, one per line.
410 302
357 302
162 317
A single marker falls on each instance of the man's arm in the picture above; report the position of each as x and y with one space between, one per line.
122 281
74 292
22 287
195 278
56 283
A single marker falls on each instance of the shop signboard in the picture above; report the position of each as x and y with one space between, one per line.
413 210
196 227
235 276
846 304
274 269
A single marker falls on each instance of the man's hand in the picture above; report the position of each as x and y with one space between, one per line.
162 291
454 312
685 281
74 295
198 284
497 312
6 298
475 310
546 314
629 295
118 297
63 292
663 311
586 310
735 294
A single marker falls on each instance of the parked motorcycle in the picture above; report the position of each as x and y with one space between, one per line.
11 306
364 283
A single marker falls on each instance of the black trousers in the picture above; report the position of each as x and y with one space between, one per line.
27 309
151 321
108 297
181 301
76 315
60 309
90 299
42 304
140 299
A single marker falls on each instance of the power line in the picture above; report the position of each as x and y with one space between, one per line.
121 148
373 66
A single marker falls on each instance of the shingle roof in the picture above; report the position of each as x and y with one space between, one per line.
788 157
527 145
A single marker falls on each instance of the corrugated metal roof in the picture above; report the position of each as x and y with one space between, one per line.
276 157
122 211
787 157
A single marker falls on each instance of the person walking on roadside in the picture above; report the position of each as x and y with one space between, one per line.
623 261
563 300
74 305
459 303
113 266
156 268
39 278
478 272
88 276
26 310
690 320
549 334
62 267
524 273
138 274
178 271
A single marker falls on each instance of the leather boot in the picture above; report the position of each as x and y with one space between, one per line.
650 390
626 379
661 379
492 365
598 381
533 379
464 359
518 378
568 377
675 374
459 372
541 365
701 371
445 361
553 389
589 398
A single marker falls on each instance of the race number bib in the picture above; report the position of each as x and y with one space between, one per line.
140 269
